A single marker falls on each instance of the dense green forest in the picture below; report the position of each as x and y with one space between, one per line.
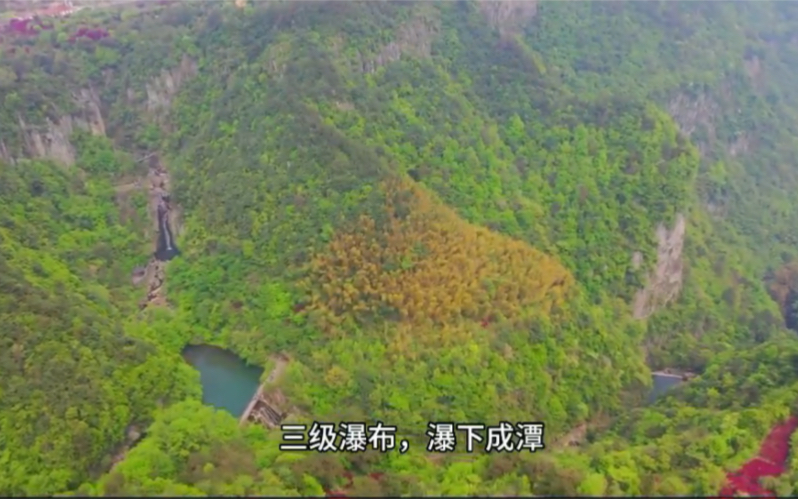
463 211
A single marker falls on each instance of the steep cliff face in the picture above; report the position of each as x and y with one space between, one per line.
413 39
162 89
50 141
695 113
700 114
52 138
665 281
508 17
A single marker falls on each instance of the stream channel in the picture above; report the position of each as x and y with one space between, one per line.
228 382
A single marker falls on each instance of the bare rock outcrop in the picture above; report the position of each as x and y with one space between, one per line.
162 89
665 282
413 39
508 17
755 69
156 276
51 140
693 112
89 115
5 155
138 275
740 146
132 436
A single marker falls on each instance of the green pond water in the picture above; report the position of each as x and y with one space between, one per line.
662 383
227 381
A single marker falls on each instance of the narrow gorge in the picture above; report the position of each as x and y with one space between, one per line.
163 216
153 274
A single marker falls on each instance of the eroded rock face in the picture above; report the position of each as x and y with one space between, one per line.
163 89
509 17
413 39
665 281
5 155
49 141
692 113
155 293
52 139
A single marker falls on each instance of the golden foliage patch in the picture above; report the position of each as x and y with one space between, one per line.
420 263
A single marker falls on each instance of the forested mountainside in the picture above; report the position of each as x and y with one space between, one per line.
455 211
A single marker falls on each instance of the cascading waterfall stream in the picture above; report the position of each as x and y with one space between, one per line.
165 248
163 215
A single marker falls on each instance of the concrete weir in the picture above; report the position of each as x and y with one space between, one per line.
268 408
674 373
251 406
265 409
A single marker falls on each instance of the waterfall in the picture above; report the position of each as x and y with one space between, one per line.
165 229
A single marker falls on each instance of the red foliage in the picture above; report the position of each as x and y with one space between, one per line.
93 34
28 26
770 461
25 27
32 27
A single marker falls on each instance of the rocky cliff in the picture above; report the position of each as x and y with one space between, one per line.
50 138
665 281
